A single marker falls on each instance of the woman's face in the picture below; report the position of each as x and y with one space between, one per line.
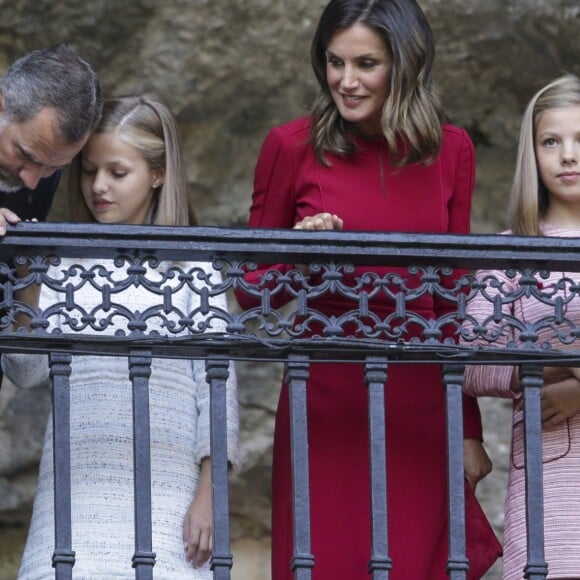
358 67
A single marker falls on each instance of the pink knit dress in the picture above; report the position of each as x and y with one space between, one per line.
560 445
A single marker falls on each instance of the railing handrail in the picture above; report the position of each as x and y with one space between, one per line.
177 244
268 245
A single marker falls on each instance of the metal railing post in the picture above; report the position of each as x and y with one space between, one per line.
296 377
375 378
139 373
532 380
63 558
453 378
217 374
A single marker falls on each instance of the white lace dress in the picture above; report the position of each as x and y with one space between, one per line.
102 452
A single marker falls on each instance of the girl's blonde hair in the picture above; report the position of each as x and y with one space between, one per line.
412 112
145 123
529 198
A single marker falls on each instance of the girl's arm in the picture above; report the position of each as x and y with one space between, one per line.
197 524
28 370
29 296
488 380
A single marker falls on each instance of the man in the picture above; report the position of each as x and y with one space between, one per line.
50 101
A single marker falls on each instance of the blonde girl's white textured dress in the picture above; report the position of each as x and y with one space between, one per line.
102 452
560 445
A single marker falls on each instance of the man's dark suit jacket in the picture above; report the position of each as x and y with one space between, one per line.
32 203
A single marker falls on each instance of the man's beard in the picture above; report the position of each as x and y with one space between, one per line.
9 183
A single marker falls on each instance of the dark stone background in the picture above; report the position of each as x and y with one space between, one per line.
230 70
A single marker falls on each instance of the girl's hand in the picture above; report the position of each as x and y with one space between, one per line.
197 524
320 221
560 401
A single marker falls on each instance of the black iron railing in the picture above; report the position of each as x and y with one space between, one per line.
359 268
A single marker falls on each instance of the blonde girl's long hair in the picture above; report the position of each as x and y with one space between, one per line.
529 198
412 112
145 123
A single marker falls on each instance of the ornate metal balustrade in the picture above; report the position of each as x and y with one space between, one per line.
402 270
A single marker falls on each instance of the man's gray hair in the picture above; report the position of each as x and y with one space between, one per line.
54 77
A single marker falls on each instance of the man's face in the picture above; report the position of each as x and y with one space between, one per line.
32 150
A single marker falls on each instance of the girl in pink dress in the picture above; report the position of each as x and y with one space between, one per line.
545 200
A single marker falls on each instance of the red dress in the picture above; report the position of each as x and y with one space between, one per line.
368 193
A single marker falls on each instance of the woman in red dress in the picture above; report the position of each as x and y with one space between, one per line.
375 155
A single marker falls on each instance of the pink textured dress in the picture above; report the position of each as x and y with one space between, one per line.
560 445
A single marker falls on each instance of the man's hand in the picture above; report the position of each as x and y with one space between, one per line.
7 216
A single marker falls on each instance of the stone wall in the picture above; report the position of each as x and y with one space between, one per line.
232 69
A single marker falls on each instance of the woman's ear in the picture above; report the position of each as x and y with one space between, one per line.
157 178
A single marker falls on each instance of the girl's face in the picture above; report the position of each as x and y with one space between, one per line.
557 146
116 181
358 67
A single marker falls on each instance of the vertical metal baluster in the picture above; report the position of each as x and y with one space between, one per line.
453 378
296 377
63 558
532 379
375 378
217 374
139 373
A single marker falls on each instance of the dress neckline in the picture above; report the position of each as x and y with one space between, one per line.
564 231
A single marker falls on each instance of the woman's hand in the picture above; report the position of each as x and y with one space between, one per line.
197 524
477 463
320 221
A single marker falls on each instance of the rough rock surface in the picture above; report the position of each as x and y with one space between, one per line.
232 69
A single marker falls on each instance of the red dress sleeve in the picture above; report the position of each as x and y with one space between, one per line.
273 206
459 211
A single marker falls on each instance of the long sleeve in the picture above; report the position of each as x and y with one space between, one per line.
273 204
27 371
459 211
488 380
459 216
203 395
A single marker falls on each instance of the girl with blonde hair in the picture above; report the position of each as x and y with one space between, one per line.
545 201
130 172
